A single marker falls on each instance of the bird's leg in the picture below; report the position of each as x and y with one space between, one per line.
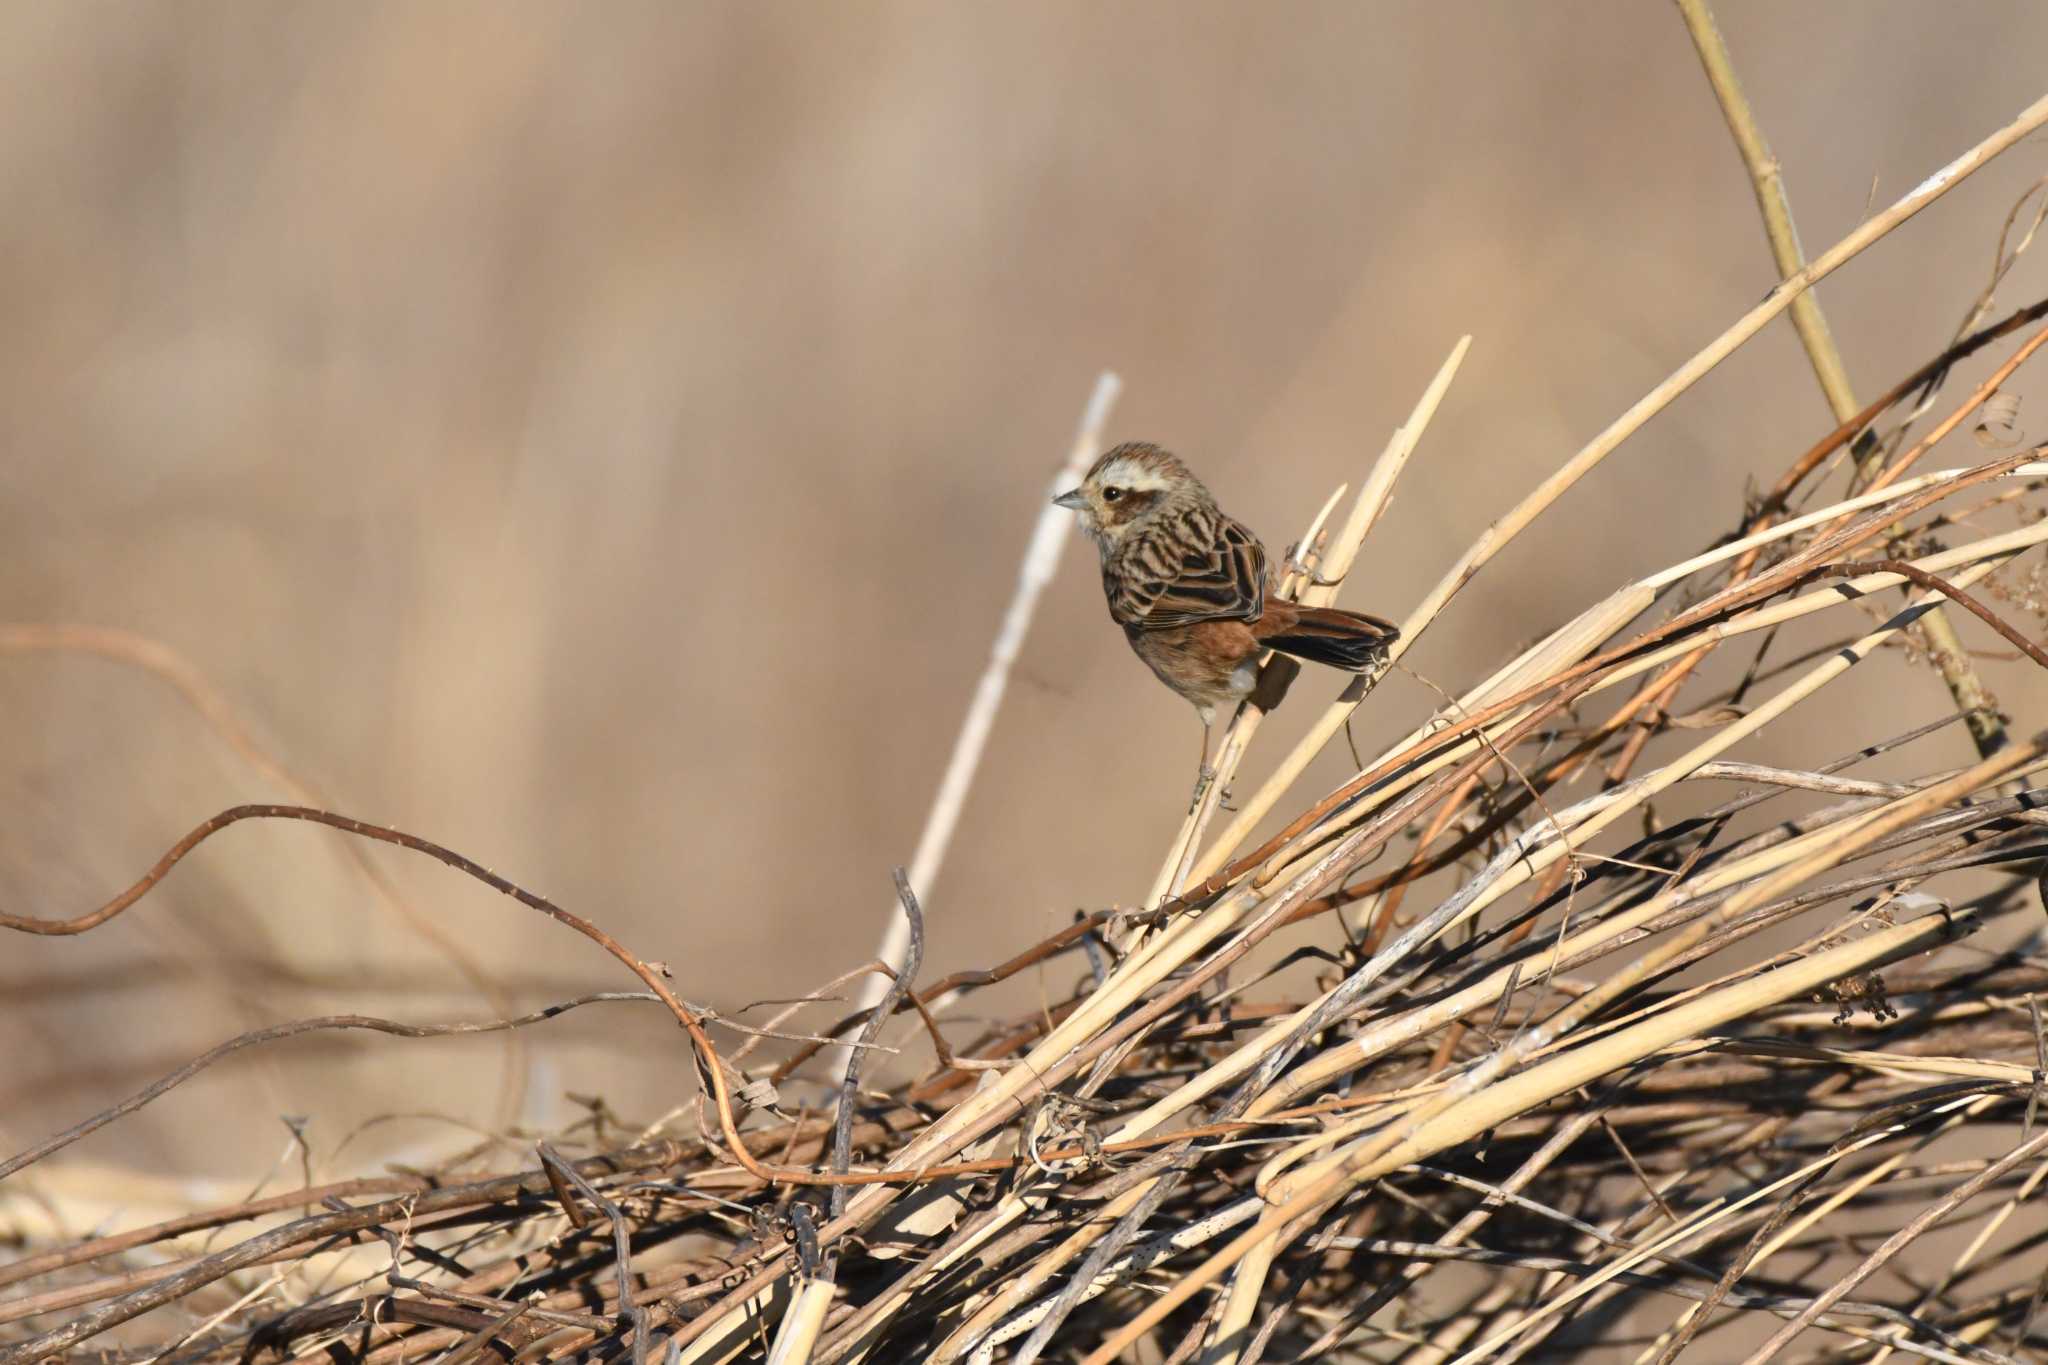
1205 774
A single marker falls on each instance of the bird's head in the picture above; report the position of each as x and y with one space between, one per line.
1129 487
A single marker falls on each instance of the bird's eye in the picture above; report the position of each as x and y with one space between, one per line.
1112 494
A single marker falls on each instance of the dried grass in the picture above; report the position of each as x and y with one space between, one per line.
1545 1030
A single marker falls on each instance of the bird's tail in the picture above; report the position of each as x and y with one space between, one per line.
1348 640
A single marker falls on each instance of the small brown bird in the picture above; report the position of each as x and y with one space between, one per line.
1189 586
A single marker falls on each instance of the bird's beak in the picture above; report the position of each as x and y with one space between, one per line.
1073 499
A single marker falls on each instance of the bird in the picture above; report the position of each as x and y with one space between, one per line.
1189 586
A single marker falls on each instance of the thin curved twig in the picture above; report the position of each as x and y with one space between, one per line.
274 1033
693 1023
849 1085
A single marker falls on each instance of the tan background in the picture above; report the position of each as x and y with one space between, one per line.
601 439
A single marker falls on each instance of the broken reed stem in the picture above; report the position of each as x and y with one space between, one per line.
1944 646
1334 567
1237 736
797 1336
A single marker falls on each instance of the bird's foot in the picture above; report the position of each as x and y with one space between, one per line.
1203 778
1307 570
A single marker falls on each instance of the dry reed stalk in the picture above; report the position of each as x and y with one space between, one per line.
1332 566
1041 560
797 1336
1237 734
1945 647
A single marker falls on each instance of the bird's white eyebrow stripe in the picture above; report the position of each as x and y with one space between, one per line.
1124 474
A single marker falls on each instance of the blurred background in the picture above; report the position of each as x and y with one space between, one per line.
602 441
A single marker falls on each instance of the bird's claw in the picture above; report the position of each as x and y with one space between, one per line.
1308 573
1203 778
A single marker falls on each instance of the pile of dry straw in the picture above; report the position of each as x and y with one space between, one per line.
1558 1024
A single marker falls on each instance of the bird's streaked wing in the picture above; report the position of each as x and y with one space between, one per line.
1219 576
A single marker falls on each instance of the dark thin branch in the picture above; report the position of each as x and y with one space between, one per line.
277 1032
849 1088
1893 1245
633 1317
1924 579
